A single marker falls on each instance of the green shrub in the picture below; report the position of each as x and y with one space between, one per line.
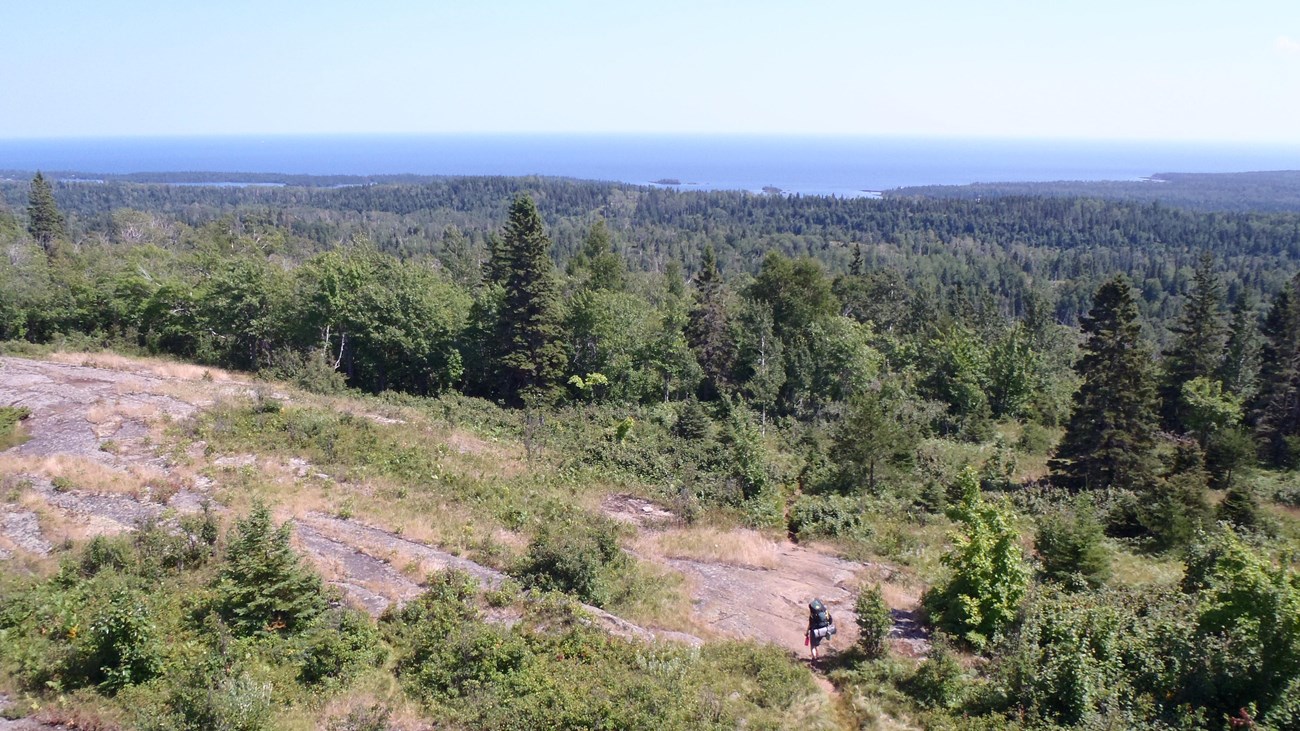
765 673
1285 714
1248 618
369 718
338 646
105 553
444 650
989 577
211 697
1105 660
693 422
1036 438
826 515
1175 509
262 585
1240 507
553 669
1072 550
160 548
9 418
123 646
998 471
578 558
874 621
938 681
307 370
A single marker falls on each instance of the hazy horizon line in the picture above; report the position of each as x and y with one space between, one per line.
902 137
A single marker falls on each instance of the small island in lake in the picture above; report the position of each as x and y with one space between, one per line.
667 181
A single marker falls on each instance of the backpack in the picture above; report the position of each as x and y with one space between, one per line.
820 616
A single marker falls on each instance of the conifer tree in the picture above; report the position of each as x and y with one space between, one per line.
1110 437
1276 414
1239 370
873 442
709 329
263 586
874 621
457 256
44 221
1197 351
528 332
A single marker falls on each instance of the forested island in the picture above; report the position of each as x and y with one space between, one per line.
1067 424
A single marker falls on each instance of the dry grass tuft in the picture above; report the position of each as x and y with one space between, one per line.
1129 569
738 547
386 700
170 370
83 712
814 711
872 715
80 473
104 412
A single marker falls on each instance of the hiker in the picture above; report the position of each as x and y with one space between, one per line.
821 625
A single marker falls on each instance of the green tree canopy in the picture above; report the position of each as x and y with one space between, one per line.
989 577
44 220
528 333
263 586
1197 351
1110 438
1276 412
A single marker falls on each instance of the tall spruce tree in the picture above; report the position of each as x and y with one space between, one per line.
1239 369
1276 410
1197 351
1110 438
44 221
528 333
709 329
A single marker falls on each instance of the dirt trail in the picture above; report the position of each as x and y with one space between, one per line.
107 416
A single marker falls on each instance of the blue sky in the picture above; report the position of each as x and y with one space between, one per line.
1109 69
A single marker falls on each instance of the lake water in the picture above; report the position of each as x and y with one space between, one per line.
844 166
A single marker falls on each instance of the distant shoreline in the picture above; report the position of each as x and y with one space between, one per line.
840 166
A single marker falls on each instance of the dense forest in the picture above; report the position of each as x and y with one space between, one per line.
1277 191
1006 248
1097 398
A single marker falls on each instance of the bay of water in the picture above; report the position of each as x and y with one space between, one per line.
844 166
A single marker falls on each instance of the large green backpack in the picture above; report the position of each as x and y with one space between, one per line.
818 613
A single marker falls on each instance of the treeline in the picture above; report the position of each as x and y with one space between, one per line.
1273 191
793 340
1008 247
